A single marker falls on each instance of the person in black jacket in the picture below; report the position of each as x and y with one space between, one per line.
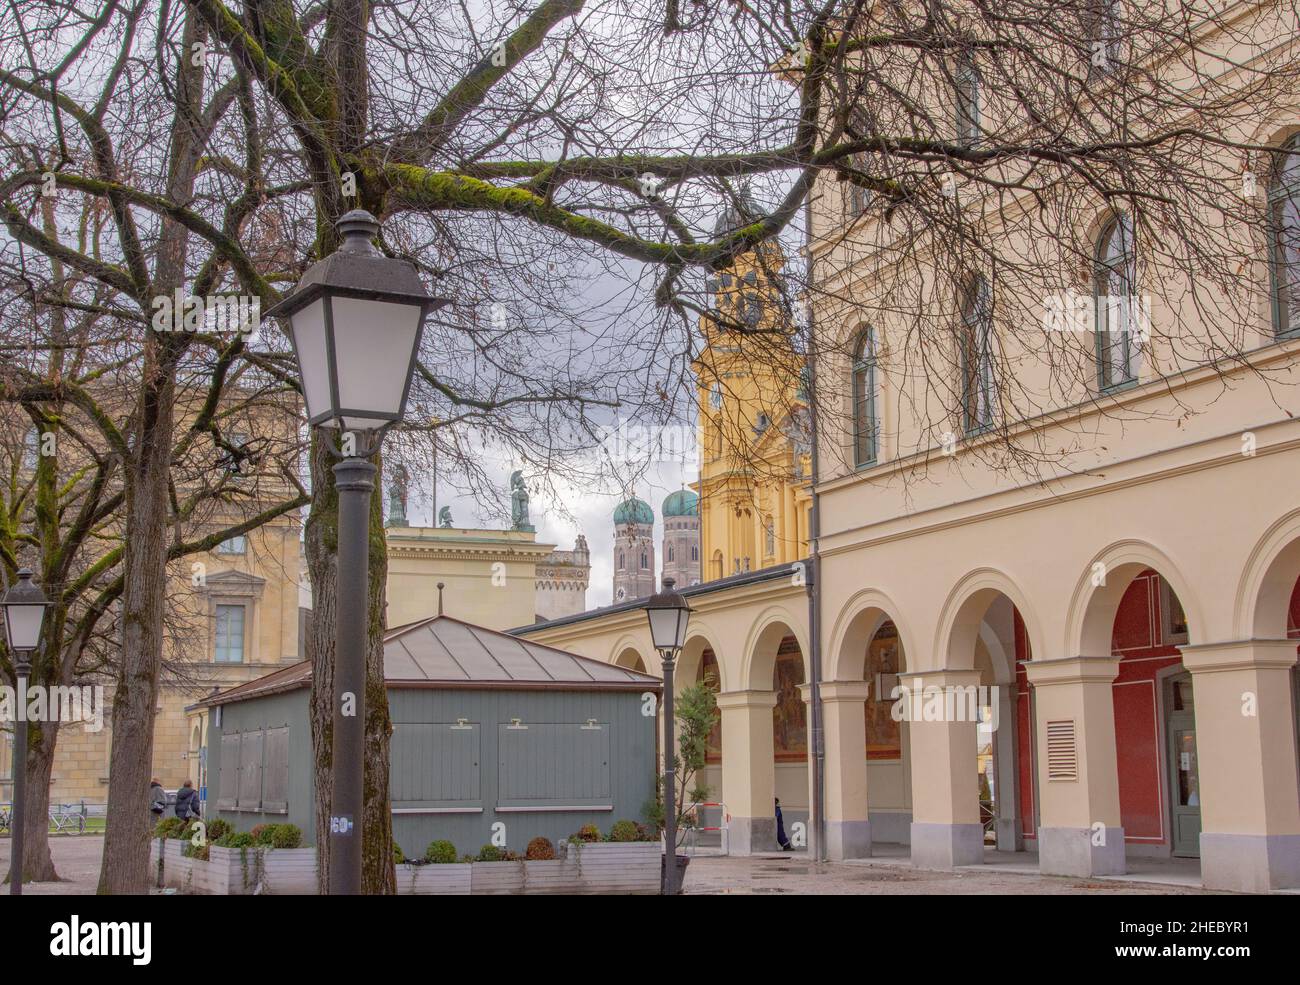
781 839
187 801
157 798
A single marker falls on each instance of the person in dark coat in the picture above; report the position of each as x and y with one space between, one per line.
157 798
187 801
781 839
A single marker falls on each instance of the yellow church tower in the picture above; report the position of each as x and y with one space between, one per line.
754 448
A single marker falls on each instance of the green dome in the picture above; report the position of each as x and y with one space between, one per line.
682 503
634 511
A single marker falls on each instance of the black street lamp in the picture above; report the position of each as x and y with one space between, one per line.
355 321
668 614
24 606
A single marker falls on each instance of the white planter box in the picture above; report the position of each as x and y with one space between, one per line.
617 866
599 867
444 879
289 871
495 878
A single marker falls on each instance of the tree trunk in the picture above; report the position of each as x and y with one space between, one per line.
125 867
38 866
378 876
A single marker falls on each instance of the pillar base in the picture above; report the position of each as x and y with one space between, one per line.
749 835
848 839
1011 834
946 846
1250 863
1070 852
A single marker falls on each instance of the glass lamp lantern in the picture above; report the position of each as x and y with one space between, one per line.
355 321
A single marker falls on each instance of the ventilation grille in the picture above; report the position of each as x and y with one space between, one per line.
1062 752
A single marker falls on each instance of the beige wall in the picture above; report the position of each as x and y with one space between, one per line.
489 575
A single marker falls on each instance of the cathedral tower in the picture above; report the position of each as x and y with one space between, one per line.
634 550
682 537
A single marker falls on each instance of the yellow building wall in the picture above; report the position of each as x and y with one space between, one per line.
490 576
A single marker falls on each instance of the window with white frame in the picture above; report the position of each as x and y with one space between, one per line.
864 399
1116 305
236 545
977 356
230 634
1284 239
967 103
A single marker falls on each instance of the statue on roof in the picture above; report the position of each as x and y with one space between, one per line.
397 498
444 518
519 503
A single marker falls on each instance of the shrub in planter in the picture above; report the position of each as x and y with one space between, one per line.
508 856
489 853
646 832
262 833
398 857
623 831
169 827
440 852
217 827
235 839
286 836
588 832
540 850
199 852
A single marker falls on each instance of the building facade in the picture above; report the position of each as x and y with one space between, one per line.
1091 660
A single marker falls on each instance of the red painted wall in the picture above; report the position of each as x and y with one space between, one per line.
1140 760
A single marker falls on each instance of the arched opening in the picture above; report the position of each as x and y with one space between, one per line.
1156 762
992 779
773 710
631 660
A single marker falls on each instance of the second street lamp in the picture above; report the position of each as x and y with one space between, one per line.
668 614
355 321
24 606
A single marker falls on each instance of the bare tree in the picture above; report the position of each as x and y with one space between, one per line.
520 151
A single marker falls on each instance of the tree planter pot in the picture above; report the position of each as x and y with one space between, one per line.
445 879
682 862
177 868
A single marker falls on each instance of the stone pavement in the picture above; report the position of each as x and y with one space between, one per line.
792 874
77 861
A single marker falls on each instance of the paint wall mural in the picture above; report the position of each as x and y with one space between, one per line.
884 656
789 717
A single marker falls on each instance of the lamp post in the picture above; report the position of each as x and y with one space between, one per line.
24 606
668 614
355 321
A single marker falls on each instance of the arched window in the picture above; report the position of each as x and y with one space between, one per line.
1115 303
621 560
670 552
864 399
644 563
717 564
977 356
695 552
1284 239
769 538
967 78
